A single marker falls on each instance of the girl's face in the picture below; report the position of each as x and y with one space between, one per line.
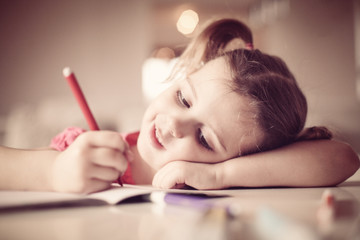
198 119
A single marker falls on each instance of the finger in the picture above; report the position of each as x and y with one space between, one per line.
158 178
106 157
173 177
155 181
97 185
89 186
104 173
164 178
106 139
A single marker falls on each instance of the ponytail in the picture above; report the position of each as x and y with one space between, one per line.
314 133
211 43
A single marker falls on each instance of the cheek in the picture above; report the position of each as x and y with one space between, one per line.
146 154
140 145
157 106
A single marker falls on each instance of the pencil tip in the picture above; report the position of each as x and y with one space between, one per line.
66 71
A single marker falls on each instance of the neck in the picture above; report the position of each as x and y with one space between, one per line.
141 172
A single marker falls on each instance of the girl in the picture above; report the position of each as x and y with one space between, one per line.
232 117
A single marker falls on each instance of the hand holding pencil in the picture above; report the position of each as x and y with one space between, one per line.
122 146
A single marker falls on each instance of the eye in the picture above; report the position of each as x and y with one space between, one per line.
202 140
182 99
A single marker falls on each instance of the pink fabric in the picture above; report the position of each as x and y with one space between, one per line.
64 139
131 139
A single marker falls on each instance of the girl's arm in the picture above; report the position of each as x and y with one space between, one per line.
301 164
26 169
91 163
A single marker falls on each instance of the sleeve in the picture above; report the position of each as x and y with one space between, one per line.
63 140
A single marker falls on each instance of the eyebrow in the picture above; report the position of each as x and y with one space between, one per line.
194 93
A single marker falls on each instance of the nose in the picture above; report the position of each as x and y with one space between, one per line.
176 126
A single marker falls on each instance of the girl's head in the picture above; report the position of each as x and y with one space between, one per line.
227 100
199 118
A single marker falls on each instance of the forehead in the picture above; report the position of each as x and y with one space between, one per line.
225 111
213 82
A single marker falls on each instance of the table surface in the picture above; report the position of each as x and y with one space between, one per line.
257 213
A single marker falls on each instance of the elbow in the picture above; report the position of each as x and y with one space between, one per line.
348 162
352 159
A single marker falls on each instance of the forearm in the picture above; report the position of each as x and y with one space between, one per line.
302 164
26 169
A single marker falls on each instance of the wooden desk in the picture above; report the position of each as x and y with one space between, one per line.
297 206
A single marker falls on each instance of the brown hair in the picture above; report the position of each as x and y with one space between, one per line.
279 104
211 43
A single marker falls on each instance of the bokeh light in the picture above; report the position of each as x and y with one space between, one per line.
187 22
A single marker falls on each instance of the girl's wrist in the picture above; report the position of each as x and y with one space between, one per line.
233 172
51 171
220 176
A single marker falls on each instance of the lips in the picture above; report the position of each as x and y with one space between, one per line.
154 138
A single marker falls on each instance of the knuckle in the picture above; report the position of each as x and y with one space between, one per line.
117 160
119 141
84 138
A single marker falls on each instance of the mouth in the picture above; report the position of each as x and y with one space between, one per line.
155 138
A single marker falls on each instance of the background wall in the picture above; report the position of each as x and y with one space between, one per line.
317 40
106 43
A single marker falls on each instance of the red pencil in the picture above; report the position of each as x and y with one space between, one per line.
75 88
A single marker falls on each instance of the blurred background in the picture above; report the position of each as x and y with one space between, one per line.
111 46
